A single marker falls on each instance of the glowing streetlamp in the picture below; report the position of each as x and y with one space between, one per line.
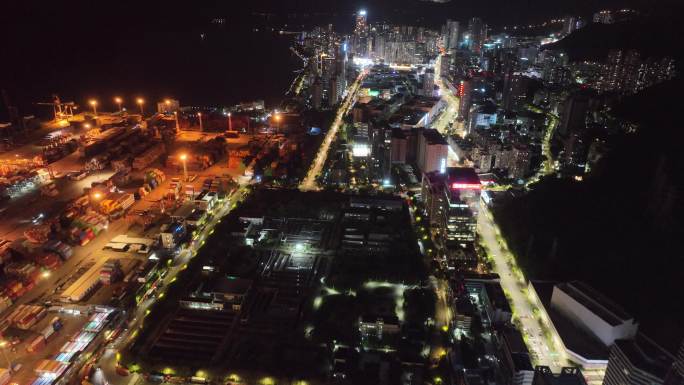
184 158
277 119
3 346
118 101
93 103
199 116
140 102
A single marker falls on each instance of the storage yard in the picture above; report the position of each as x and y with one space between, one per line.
83 232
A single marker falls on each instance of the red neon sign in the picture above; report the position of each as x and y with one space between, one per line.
461 89
466 186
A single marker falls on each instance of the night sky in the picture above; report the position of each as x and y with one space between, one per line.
81 49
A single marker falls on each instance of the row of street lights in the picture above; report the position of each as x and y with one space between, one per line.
119 102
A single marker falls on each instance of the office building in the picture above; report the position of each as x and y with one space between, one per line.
452 201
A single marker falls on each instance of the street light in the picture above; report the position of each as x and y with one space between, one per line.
277 118
118 101
199 116
230 122
184 158
3 346
93 103
140 102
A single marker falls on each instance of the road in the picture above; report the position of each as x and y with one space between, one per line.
542 350
548 166
450 113
108 362
309 183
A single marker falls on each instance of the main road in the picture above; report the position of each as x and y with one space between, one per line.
309 183
108 361
513 283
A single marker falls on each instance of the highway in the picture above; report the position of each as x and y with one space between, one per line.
309 183
542 350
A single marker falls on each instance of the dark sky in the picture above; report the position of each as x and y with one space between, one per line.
496 12
66 46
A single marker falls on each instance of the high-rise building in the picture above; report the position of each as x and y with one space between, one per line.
452 201
464 92
317 94
361 25
569 25
478 34
428 85
451 31
520 164
574 114
432 151
638 361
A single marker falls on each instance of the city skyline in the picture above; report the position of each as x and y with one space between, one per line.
383 192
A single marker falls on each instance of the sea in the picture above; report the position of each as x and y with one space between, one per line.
207 62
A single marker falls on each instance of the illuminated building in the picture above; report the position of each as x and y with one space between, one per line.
361 25
569 25
626 72
520 166
464 90
452 200
432 151
603 17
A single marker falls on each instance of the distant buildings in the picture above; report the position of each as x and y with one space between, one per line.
603 17
625 71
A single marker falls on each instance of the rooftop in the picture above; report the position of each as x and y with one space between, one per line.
574 338
462 175
596 302
433 136
567 376
646 355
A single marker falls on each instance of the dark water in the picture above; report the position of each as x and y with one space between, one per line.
196 60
